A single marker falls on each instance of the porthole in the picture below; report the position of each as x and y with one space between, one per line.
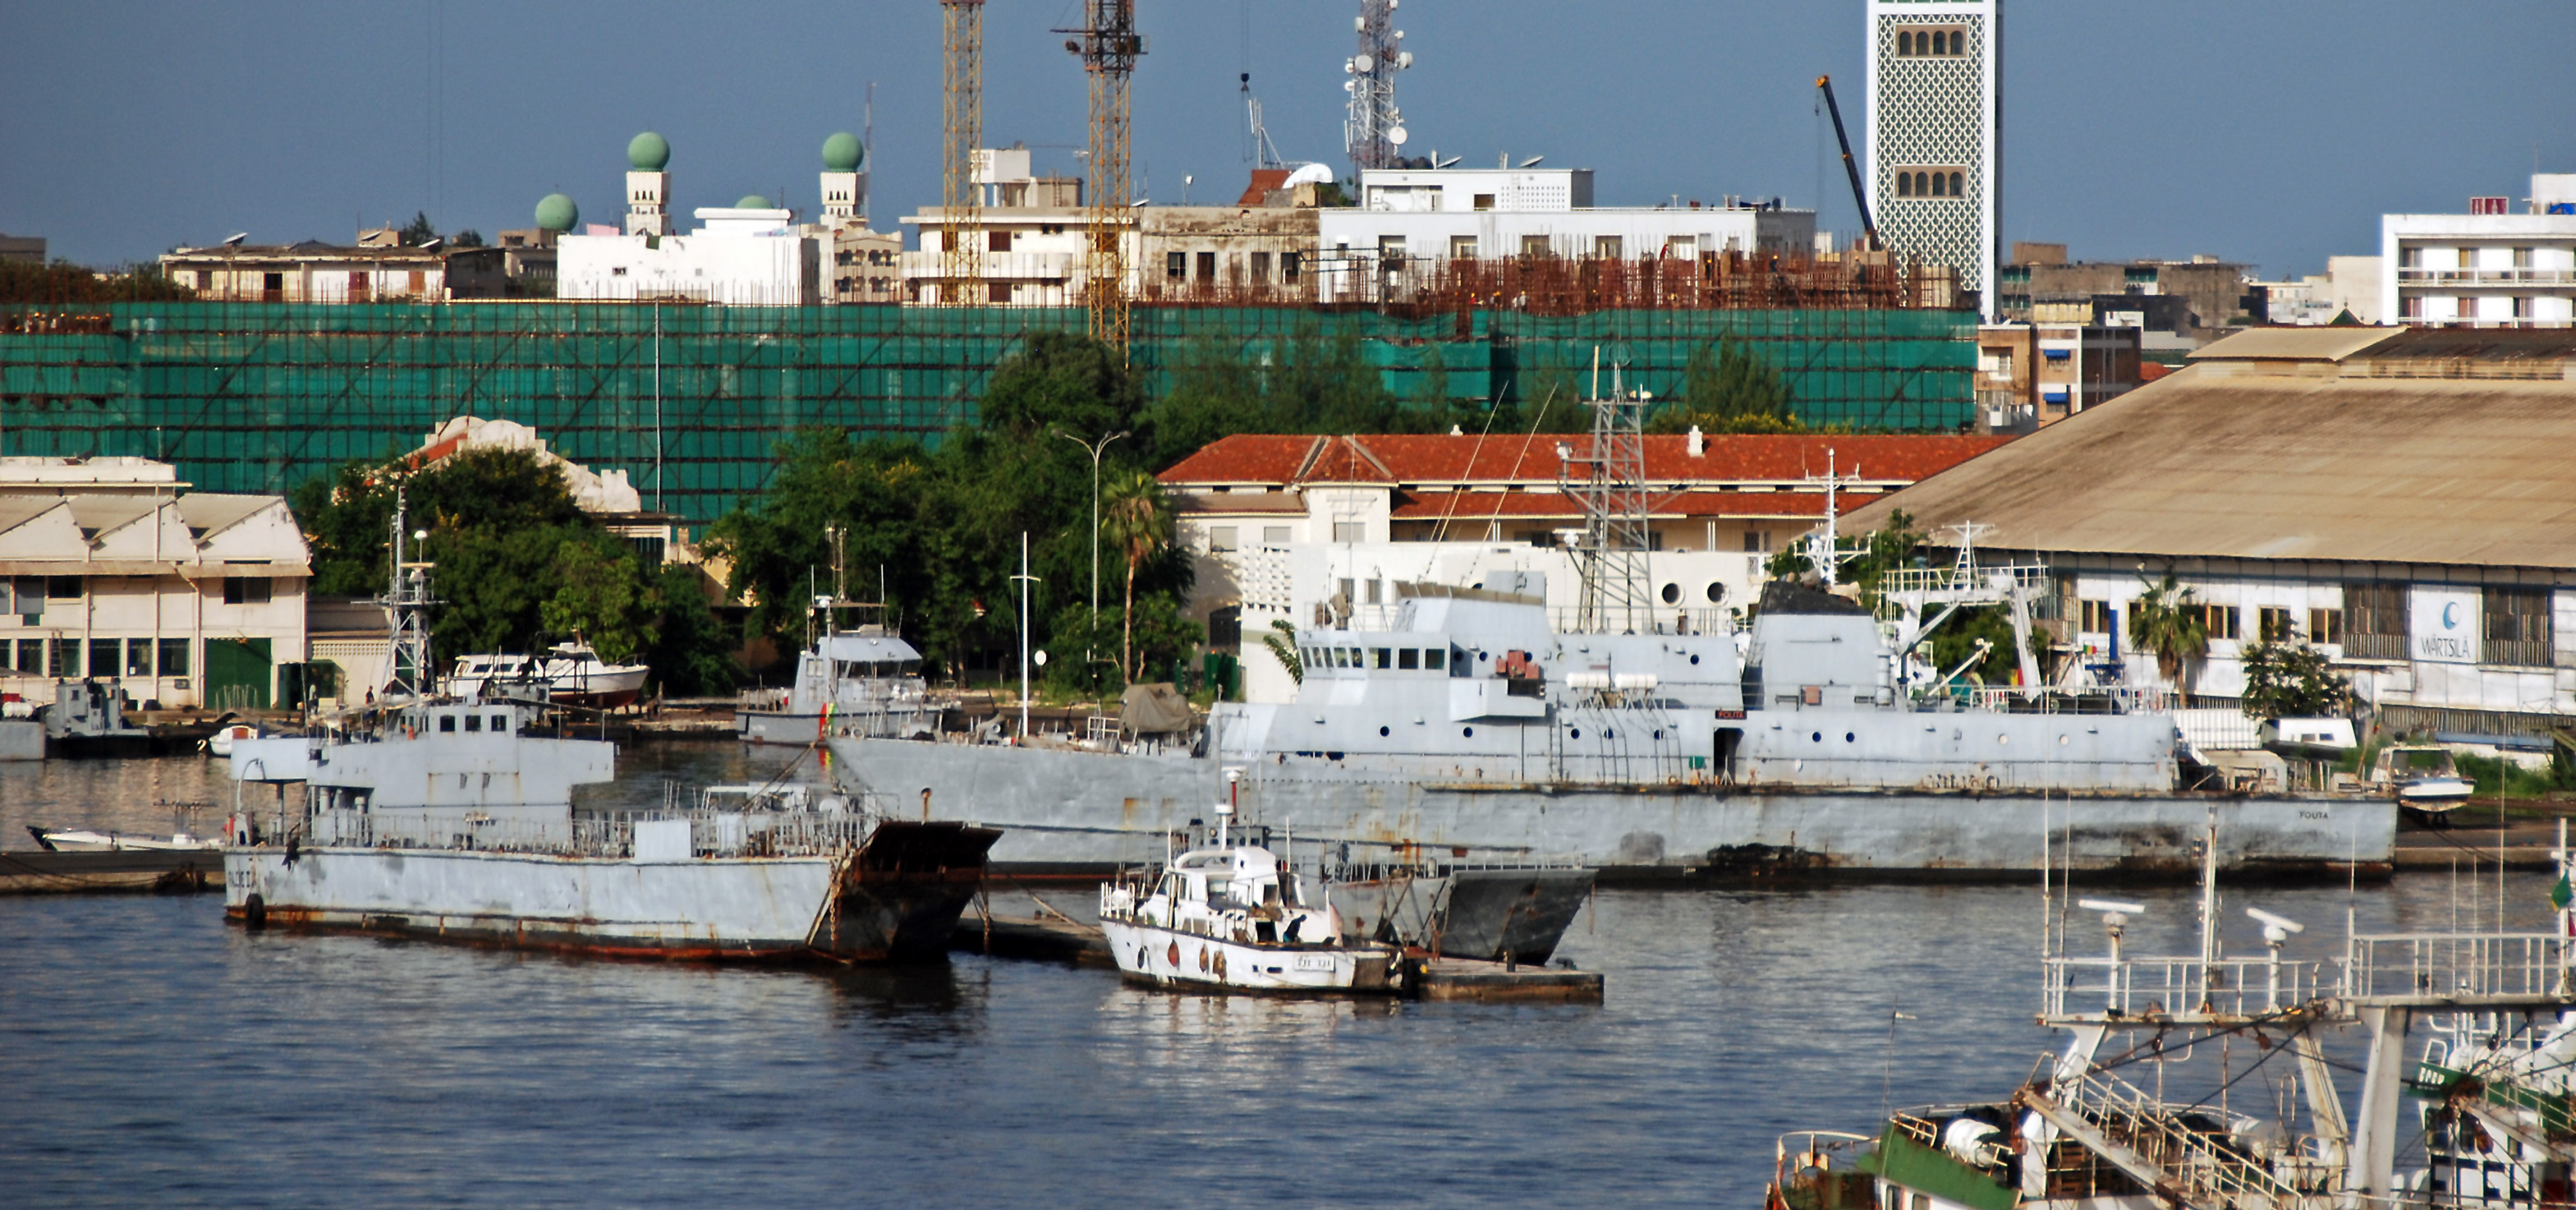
1384 731
2003 739
1672 594
1716 592
1850 738
1694 659
1578 732
2061 741
1469 732
1817 737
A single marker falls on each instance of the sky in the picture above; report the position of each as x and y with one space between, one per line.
2268 131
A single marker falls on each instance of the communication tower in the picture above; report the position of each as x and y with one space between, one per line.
1108 46
1374 131
1608 479
961 130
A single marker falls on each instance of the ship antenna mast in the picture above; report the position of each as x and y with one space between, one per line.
408 599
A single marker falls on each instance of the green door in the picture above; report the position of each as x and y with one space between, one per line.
237 674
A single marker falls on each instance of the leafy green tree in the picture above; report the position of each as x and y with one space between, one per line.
1957 640
692 651
2291 680
1726 389
65 282
2169 622
605 598
418 231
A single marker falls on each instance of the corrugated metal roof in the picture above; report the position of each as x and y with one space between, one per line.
2293 344
2282 466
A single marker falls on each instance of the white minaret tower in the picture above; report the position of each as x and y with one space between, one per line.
648 187
845 184
1934 161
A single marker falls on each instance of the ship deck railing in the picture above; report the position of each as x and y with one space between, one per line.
2495 965
2165 988
711 833
2087 699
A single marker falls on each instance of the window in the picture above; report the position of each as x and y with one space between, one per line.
67 658
1288 267
1349 531
2095 617
1408 657
2468 258
2522 306
2325 625
1220 538
997 241
474 723
1207 266
447 722
104 658
1958 184
1381 657
2375 621
174 657
500 724
1274 535
2411 307
1370 593
1176 265
997 292
31 656
2410 258
1260 271
2517 626
2522 258
63 588
2219 620
1757 542
246 590
2272 625
138 657
1484 201
1609 247
1432 658
1905 184
1462 247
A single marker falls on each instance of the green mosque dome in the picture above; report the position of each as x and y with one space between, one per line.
648 152
557 213
752 201
841 153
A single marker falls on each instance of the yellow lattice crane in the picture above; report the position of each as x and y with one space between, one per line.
1108 45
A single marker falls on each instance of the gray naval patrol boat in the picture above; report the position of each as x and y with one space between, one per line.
451 818
1457 725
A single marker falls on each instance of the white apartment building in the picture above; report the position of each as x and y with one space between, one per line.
111 571
2488 268
739 255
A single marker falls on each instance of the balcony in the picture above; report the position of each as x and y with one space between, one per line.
2441 278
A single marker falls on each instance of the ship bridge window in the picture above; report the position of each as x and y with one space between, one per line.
447 722
1408 657
1351 658
500 723
474 722
1434 658
1382 656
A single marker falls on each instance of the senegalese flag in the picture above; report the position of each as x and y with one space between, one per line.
2560 894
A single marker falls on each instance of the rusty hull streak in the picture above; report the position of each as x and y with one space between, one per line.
306 920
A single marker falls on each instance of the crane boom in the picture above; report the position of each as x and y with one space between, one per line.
1860 197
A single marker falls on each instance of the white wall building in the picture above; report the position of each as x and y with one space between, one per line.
2486 270
1935 124
743 256
111 571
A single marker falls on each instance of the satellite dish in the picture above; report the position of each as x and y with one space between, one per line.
1532 162
234 240
1451 162
1364 65
1403 59
1397 136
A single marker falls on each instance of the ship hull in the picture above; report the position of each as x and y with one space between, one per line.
1071 812
1160 957
777 726
702 909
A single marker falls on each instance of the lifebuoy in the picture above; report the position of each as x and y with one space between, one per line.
1173 955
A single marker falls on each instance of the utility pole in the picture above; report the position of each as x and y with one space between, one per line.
1093 448
1025 580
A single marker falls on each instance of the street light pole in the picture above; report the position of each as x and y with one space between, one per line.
1094 448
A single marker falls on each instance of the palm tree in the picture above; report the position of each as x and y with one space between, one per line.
1136 519
2169 621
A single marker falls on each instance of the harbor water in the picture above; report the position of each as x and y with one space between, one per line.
152 1054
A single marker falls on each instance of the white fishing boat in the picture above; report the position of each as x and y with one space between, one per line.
221 742
1236 918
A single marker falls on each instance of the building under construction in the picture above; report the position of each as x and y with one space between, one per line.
692 401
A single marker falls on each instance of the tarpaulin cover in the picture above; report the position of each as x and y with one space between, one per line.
1154 708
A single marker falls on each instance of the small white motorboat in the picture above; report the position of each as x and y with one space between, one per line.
83 840
2423 778
1233 918
221 742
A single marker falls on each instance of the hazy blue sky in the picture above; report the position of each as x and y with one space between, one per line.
2274 131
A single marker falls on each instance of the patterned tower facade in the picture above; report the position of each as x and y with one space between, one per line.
1934 161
